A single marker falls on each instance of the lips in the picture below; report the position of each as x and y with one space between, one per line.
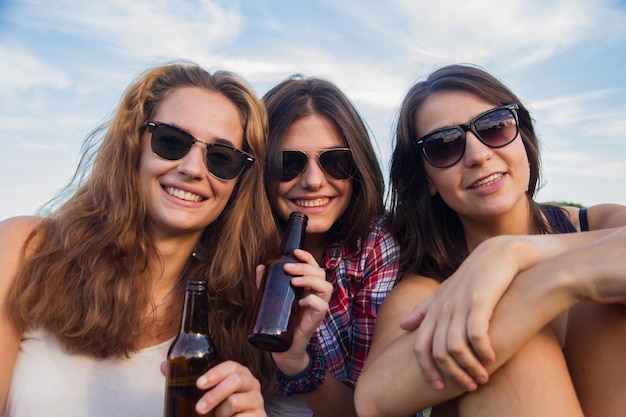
487 180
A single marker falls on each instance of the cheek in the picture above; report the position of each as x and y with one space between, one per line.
145 169
434 179
345 188
222 189
518 154
279 204
284 188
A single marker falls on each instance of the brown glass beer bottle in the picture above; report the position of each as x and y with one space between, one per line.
276 309
191 354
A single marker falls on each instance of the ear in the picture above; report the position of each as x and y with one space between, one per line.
432 189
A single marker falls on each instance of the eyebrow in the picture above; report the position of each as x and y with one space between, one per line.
221 141
226 142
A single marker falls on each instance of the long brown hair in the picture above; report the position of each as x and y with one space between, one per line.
297 97
86 281
430 233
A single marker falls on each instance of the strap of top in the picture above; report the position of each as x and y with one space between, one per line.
582 217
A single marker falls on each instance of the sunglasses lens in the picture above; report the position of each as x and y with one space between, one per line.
169 143
172 144
497 128
337 163
294 163
223 162
445 147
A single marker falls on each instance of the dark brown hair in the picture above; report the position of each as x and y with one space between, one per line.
429 232
297 97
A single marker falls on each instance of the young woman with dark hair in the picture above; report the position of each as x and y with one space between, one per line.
501 329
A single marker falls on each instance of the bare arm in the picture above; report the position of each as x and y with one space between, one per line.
14 233
393 383
460 311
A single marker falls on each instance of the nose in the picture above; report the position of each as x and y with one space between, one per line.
476 152
193 164
313 176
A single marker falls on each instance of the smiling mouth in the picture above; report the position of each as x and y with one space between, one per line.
183 195
487 181
319 202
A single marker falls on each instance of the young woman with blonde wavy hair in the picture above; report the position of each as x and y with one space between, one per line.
92 294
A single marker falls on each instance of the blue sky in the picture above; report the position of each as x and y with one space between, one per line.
65 63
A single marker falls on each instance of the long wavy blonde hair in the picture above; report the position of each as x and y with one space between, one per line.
85 283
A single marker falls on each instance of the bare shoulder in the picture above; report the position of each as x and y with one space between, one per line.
411 290
22 225
600 216
14 232
406 295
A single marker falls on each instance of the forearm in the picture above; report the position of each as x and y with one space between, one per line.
529 250
393 383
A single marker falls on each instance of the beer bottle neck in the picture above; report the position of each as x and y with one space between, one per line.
295 231
195 308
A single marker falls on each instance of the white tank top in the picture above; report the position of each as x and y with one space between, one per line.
47 381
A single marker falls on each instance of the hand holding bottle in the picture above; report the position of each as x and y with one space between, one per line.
197 384
316 293
231 390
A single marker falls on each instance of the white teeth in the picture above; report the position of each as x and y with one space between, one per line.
183 195
312 203
487 180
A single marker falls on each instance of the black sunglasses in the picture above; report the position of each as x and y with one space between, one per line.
224 162
495 128
336 162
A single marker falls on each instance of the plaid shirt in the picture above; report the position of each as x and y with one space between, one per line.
360 281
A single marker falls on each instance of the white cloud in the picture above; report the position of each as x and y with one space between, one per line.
517 32
19 70
373 50
141 29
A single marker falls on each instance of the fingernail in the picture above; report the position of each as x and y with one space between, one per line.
471 387
437 385
202 407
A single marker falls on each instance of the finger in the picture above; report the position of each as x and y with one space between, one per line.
422 348
445 363
222 381
301 269
241 404
305 257
311 285
461 351
235 393
220 371
314 304
415 317
260 269
478 336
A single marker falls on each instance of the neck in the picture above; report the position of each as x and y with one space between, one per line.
518 221
168 265
315 244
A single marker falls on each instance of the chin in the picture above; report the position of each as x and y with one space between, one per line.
315 228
